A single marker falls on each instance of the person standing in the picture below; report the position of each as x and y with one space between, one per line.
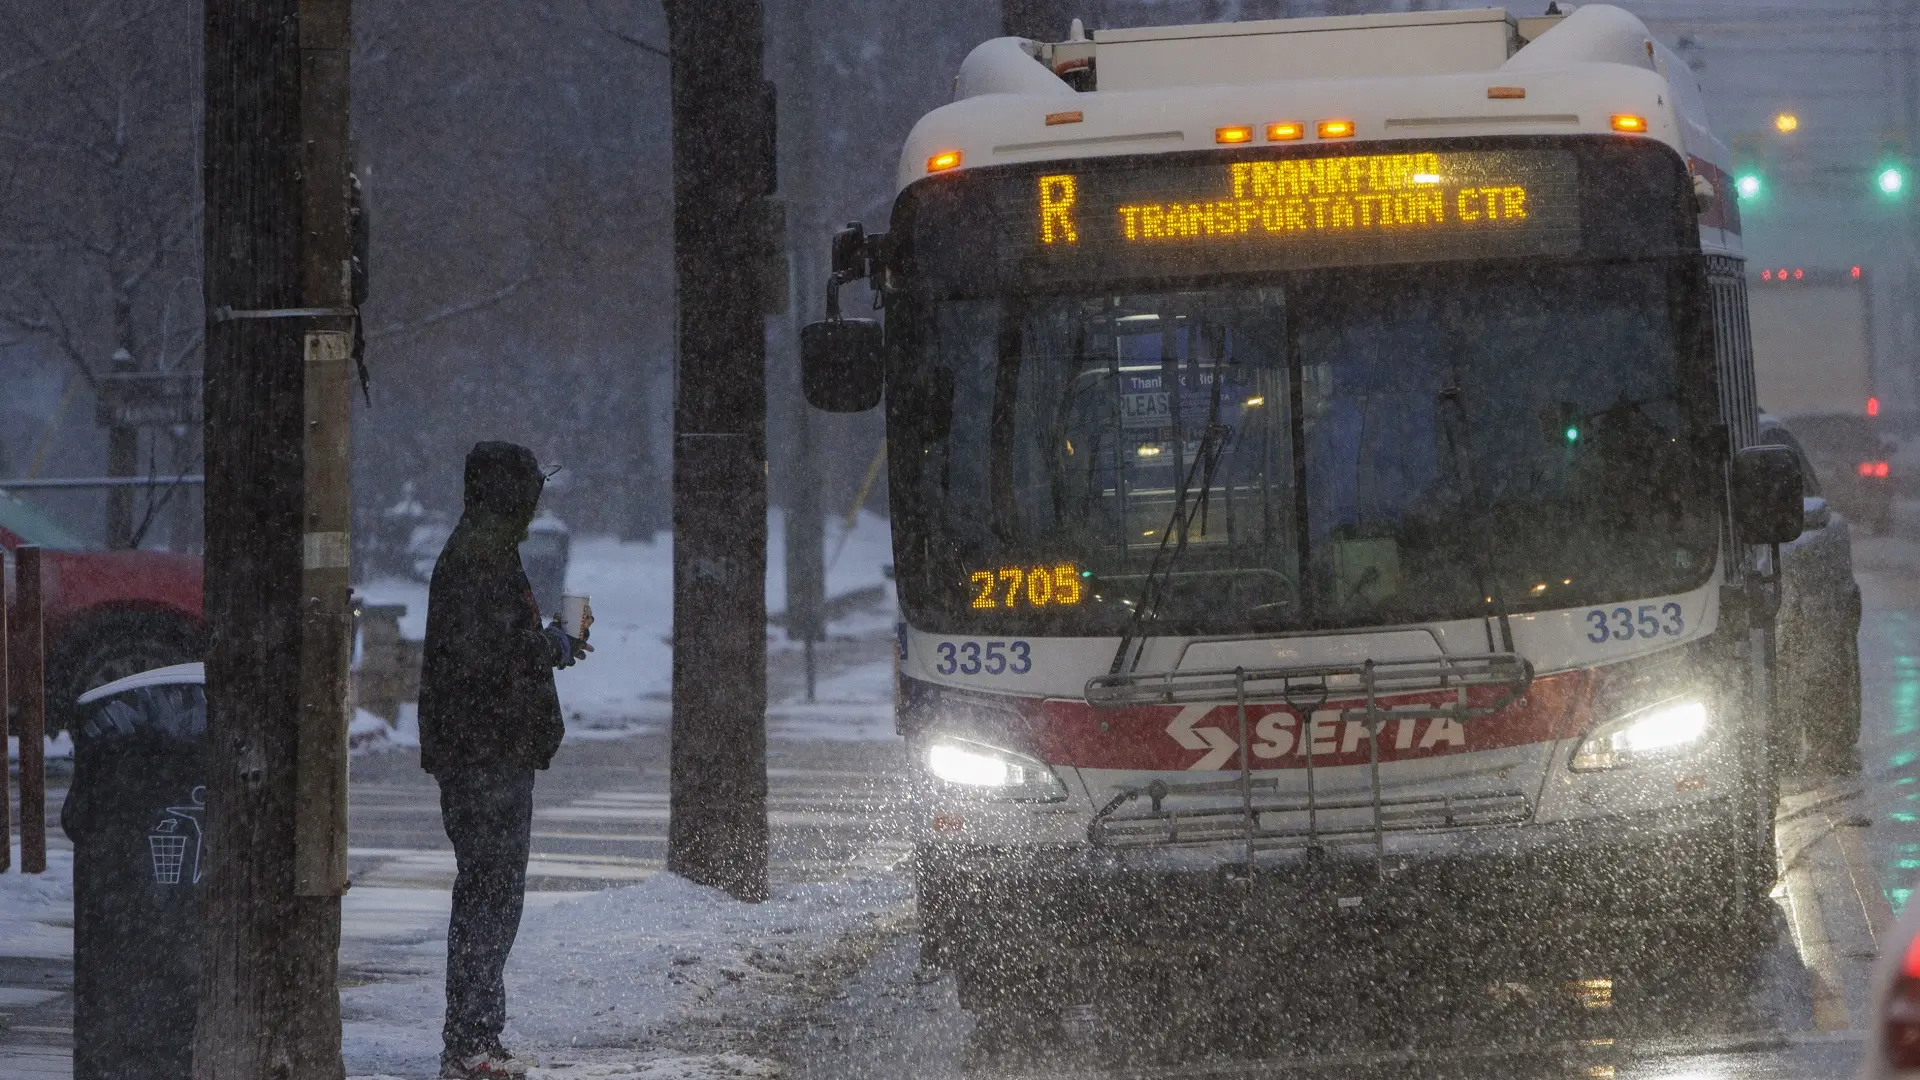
489 719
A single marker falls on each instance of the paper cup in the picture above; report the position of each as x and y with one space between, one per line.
573 611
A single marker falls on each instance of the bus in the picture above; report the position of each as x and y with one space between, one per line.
1325 484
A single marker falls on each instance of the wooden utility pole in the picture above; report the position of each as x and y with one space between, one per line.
279 333
717 834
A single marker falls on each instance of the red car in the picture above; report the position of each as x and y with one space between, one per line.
109 614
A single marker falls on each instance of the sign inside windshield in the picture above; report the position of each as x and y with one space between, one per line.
1528 197
1155 216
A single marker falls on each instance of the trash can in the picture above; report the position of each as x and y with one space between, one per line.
135 812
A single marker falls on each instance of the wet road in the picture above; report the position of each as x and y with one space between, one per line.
1546 999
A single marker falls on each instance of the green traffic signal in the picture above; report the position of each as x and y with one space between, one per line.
1748 185
1892 180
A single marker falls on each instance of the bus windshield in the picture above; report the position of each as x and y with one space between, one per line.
1344 447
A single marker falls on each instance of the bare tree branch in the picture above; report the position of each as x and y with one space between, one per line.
468 307
606 27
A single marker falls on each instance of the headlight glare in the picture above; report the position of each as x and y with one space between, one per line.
1668 729
959 765
992 770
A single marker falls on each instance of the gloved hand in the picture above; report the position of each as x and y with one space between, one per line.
564 652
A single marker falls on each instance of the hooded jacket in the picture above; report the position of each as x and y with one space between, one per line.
486 683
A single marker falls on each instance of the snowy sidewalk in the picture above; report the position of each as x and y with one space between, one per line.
622 984
606 985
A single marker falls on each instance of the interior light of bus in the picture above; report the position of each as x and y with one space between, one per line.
1286 131
1873 406
1252 401
944 160
1233 133
1627 122
1335 129
1149 451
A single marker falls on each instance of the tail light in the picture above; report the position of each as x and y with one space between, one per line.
1900 1024
1877 469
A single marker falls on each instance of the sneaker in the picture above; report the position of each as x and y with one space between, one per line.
505 1059
479 1065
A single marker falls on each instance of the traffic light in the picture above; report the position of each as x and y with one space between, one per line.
1890 174
1748 174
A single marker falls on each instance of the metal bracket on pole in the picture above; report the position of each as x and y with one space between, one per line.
224 313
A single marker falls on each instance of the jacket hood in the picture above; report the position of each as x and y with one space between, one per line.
503 483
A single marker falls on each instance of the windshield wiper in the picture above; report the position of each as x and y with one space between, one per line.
1206 458
1486 567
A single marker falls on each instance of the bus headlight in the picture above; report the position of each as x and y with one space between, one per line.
992 770
1666 730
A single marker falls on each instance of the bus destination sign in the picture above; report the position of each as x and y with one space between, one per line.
1300 211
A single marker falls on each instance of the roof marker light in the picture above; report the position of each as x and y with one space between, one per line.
1506 93
1233 133
944 160
1286 131
1627 122
1335 129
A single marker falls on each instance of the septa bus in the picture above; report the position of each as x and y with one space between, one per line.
1324 476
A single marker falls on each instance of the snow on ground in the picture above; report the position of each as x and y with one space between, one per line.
855 704
626 683
36 910
596 980
368 733
59 745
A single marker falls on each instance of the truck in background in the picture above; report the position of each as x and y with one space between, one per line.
1813 359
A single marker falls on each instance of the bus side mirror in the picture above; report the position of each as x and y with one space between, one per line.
841 364
1767 493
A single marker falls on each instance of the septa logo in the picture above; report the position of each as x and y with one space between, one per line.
1219 745
1328 737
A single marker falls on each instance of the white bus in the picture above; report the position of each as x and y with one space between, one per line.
1323 483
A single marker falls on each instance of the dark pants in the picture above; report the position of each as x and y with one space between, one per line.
488 812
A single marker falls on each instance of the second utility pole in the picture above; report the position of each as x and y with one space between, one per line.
717 833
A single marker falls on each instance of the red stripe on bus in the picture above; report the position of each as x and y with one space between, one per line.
1165 737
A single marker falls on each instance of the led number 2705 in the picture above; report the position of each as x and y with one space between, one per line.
1624 623
992 657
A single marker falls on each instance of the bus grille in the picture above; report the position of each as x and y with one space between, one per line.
1254 811
1272 822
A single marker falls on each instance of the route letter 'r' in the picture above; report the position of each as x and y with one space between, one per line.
1058 194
